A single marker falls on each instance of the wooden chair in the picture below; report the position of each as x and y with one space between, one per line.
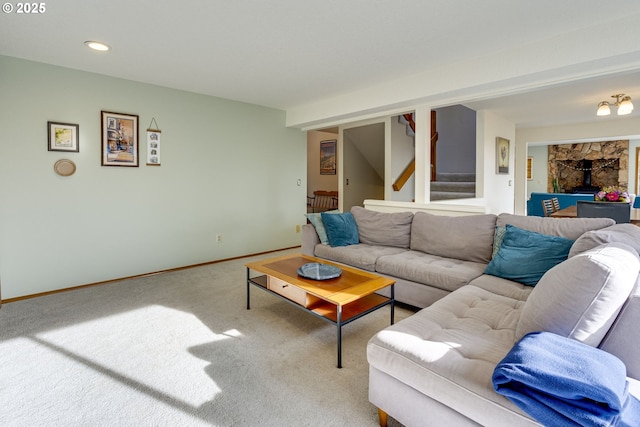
322 201
556 204
547 207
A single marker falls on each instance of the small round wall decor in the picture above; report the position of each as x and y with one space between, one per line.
64 167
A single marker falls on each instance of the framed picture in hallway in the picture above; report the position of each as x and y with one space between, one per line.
328 157
119 139
502 155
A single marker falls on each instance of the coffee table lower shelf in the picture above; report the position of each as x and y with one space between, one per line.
338 315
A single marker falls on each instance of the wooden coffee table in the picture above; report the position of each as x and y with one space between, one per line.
339 301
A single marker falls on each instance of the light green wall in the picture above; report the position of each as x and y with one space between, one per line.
540 170
227 168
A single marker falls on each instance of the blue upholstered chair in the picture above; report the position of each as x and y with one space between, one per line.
619 211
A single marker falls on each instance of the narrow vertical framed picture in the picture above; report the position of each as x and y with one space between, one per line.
63 136
153 147
529 168
119 139
328 157
502 156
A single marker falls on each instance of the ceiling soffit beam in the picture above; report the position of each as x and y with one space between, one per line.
559 60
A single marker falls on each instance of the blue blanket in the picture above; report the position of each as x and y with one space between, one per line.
562 382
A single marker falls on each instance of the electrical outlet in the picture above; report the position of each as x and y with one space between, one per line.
219 238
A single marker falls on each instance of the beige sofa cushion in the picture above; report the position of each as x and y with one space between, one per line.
571 228
448 351
581 297
381 228
620 340
443 273
468 238
625 233
361 255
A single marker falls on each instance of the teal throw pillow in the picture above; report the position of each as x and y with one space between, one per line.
341 228
524 256
316 220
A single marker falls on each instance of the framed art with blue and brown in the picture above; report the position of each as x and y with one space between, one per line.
328 157
119 139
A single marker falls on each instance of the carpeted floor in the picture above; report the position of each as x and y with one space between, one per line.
180 349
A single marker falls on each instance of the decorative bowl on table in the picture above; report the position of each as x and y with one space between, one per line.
318 271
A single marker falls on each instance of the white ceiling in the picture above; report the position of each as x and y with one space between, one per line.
287 53
568 103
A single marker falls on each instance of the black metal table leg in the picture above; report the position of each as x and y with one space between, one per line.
393 305
248 287
339 318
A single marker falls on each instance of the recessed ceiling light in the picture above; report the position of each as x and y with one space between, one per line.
97 45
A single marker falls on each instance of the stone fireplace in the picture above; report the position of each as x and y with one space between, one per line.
587 167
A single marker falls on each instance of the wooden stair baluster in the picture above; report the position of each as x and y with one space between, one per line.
434 140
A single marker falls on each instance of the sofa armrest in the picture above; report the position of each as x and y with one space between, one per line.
623 338
309 239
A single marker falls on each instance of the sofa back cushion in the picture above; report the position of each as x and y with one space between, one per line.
623 338
571 228
624 233
581 297
383 229
468 238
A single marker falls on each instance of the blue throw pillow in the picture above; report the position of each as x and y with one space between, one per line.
524 256
316 220
341 229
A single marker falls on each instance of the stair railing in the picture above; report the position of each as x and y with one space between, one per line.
411 167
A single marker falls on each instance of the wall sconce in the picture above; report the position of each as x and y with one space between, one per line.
623 102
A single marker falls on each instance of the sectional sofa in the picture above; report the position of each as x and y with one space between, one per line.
429 256
577 278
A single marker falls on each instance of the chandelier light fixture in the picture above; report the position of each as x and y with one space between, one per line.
623 102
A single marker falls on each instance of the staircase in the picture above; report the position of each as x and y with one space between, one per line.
407 120
444 186
449 186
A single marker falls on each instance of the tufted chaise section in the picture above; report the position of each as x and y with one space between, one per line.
443 273
450 350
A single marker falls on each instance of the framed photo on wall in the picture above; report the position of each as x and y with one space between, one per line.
502 155
153 147
119 139
63 136
529 168
328 157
